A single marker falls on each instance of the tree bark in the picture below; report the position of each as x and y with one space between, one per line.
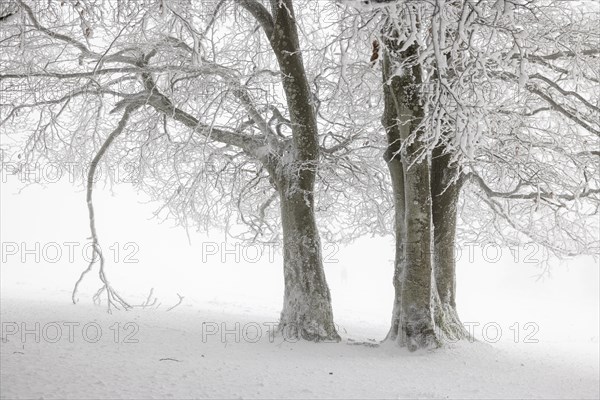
418 327
445 191
393 159
397 176
307 311
413 322
445 194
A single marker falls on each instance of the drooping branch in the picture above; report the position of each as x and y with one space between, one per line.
562 109
113 298
563 91
497 208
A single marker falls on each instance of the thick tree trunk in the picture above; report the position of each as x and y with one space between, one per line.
445 190
307 312
413 322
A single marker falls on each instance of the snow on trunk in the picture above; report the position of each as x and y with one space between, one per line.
307 312
392 157
412 320
417 324
426 197
445 190
397 177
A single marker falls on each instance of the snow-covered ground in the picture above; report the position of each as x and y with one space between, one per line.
538 338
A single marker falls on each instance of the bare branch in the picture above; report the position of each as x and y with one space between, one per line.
113 298
527 196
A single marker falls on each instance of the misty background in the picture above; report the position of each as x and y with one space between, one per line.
143 253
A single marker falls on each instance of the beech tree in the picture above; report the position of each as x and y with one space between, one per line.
498 99
218 120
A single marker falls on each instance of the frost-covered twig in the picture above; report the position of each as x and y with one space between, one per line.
178 303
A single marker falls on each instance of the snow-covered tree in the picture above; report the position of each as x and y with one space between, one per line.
211 102
498 99
263 114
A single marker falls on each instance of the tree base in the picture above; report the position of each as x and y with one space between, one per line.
293 332
423 334
313 323
414 335
450 328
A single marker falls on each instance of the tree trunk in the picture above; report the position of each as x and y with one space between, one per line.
418 326
445 191
393 159
307 312
413 322
397 176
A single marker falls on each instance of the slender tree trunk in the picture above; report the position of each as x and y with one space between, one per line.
445 190
445 198
397 176
307 312
418 325
393 159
